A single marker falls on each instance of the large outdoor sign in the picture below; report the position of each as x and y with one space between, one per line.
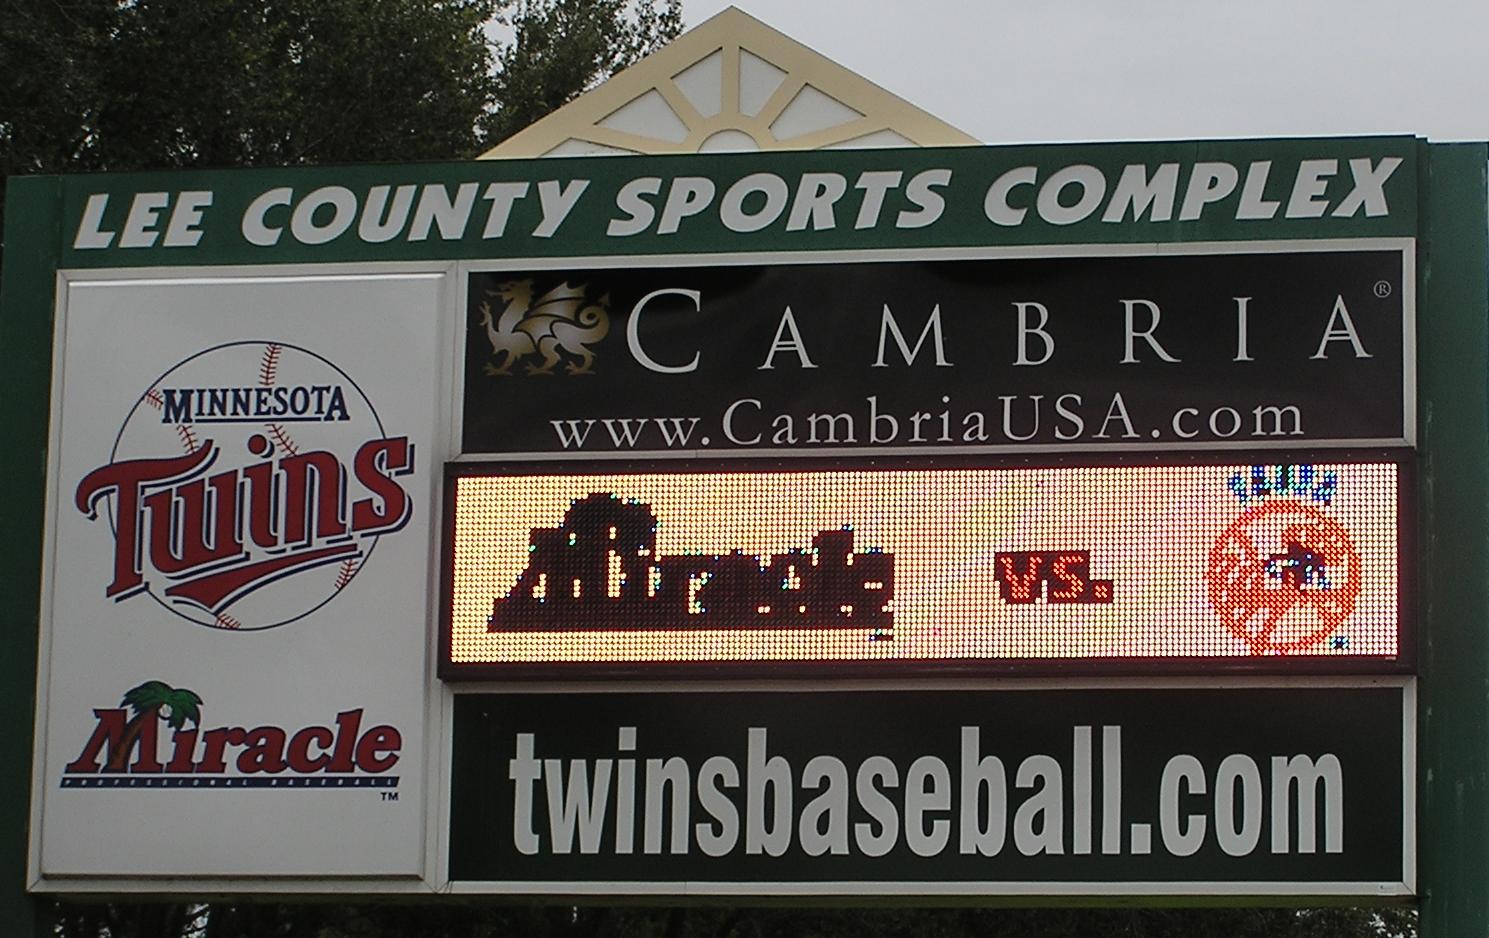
1263 347
394 514
1110 790
908 569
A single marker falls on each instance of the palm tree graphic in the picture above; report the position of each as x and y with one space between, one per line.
150 700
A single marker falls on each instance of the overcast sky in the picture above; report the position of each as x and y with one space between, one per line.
1061 70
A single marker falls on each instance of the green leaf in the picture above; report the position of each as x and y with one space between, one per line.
147 696
184 705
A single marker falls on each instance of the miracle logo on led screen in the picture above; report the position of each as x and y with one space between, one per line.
248 487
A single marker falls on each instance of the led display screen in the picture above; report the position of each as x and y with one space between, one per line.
894 568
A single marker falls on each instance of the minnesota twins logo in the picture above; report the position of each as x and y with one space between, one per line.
1284 576
558 325
248 486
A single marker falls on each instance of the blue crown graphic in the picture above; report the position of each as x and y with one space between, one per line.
1301 481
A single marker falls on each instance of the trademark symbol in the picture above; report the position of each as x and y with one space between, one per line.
1382 289
390 796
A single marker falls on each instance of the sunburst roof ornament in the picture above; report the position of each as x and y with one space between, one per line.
731 83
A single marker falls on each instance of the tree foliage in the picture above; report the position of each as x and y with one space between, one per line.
562 47
160 84
122 85
454 920
50 81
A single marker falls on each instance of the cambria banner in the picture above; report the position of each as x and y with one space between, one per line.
1259 346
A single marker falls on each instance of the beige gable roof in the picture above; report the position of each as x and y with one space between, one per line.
731 83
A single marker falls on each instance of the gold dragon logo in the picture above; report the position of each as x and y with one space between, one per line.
556 326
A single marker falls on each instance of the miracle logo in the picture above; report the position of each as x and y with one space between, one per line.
248 486
124 750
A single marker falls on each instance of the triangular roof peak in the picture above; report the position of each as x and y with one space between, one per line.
730 83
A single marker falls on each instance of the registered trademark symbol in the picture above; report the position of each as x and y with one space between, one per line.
1382 289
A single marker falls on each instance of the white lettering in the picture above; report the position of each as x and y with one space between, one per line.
91 235
524 770
927 789
877 806
831 805
889 327
1129 307
1117 411
687 196
1092 185
1253 206
639 212
1026 330
1311 182
144 214
633 332
1238 769
717 839
764 775
182 230
815 197
343 205
1208 182
1039 823
380 223
794 344
729 422
979 772
875 184
995 204
502 196
1370 188
1155 197
1304 774
1241 355
921 191
557 201
1340 327
732 211
1182 774
437 208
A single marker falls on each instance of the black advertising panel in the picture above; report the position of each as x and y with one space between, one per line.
1179 347
1260 790
733 568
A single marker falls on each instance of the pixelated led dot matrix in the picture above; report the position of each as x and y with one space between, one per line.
1194 570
